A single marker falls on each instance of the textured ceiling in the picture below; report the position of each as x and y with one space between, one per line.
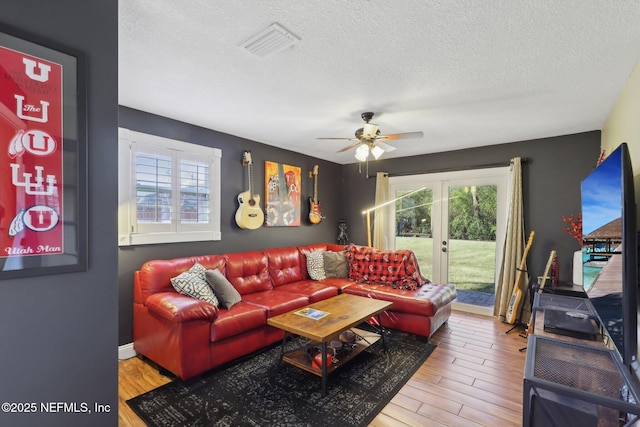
467 73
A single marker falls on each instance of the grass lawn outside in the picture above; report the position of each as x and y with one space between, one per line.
471 263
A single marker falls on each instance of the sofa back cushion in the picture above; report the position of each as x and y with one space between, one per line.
248 272
155 276
284 265
334 247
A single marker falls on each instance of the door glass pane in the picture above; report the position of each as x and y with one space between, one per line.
414 227
472 237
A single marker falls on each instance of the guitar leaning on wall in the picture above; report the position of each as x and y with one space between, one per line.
249 214
517 296
314 211
543 282
547 269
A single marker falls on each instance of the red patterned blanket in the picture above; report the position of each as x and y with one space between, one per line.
398 269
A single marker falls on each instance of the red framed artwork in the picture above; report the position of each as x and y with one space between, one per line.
282 194
42 157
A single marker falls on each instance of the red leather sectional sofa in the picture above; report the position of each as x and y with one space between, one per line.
188 336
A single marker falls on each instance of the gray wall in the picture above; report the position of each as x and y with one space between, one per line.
58 334
553 170
234 181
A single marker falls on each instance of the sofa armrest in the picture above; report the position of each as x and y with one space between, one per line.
180 308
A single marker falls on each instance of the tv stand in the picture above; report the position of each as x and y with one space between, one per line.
568 289
570 381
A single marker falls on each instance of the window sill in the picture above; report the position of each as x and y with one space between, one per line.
158 238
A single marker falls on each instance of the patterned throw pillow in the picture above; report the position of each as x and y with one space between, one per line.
315 265
193 283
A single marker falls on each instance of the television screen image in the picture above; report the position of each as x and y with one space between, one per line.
609 249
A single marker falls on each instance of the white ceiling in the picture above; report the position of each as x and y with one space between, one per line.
467 73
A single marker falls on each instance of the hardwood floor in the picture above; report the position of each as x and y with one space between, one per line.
473 378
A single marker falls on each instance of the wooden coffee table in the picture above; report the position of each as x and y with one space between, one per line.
343 312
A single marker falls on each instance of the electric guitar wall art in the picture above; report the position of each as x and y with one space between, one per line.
314 205
249 214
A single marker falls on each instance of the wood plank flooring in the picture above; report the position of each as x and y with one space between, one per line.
473 378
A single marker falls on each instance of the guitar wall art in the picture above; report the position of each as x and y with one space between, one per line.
249 214
282 204
315 215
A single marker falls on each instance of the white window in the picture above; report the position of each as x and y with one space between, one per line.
168 190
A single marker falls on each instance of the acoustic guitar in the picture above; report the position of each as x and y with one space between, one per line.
517 296
314 205
249 215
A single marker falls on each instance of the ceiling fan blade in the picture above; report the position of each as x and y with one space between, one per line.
406 135
348 147
339 139
385 147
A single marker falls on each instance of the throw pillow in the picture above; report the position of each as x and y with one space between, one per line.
193 283
224 290
335 264
315 265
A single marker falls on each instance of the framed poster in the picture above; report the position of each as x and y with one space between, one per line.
282 195
42 157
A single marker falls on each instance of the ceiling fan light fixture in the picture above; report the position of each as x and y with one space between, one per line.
362 153
369 140
370 130
377 152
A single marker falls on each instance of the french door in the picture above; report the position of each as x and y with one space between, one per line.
455 223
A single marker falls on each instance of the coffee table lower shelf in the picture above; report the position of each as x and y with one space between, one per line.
301 359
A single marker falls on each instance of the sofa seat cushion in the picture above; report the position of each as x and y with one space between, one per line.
276 301
315 291
337 282
425 301
240 318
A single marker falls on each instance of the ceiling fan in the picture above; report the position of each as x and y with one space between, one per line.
369 141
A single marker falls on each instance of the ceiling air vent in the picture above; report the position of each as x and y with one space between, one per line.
271 40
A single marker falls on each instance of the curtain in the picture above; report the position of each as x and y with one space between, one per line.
381 215
513 243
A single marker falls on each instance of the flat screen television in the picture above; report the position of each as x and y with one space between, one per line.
610 251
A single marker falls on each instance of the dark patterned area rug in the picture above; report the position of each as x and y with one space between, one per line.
257 391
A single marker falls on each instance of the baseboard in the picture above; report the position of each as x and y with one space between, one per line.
126 351
474 309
